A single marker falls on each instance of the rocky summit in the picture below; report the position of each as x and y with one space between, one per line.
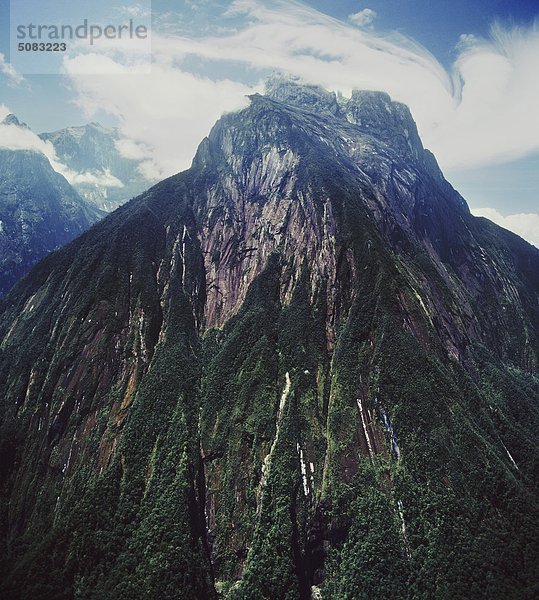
300 369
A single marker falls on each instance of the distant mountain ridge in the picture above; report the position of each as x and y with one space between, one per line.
39 211
12 119
92 149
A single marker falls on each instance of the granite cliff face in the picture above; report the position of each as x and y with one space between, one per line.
301 367
374 142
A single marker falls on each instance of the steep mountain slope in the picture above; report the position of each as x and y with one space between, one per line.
110 178
39 212
299 368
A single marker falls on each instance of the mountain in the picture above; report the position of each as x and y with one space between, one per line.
12 119
109 179
300 369
39 211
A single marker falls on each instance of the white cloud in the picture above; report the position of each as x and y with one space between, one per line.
481 112
495 118
4 112
7 69
13 137
525 225
135 10
108 57
363 18
151 170
102 178
131 149
164 114
467 38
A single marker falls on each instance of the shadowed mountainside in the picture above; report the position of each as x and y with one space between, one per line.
301 367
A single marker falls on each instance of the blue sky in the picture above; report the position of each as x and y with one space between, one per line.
473 89
438 24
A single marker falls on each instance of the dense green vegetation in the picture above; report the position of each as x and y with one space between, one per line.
369 435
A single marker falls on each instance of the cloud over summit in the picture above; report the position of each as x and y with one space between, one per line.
363 18
480 111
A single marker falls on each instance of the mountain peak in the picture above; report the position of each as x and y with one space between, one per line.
374 112
11 119
291 90
100 128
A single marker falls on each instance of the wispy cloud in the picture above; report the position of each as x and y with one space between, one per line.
131 149
482 111
9 71
495 116
363 18
103 178
164 115
135 10
13 137
524 224
4 112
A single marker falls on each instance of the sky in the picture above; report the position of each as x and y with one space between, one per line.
468 71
